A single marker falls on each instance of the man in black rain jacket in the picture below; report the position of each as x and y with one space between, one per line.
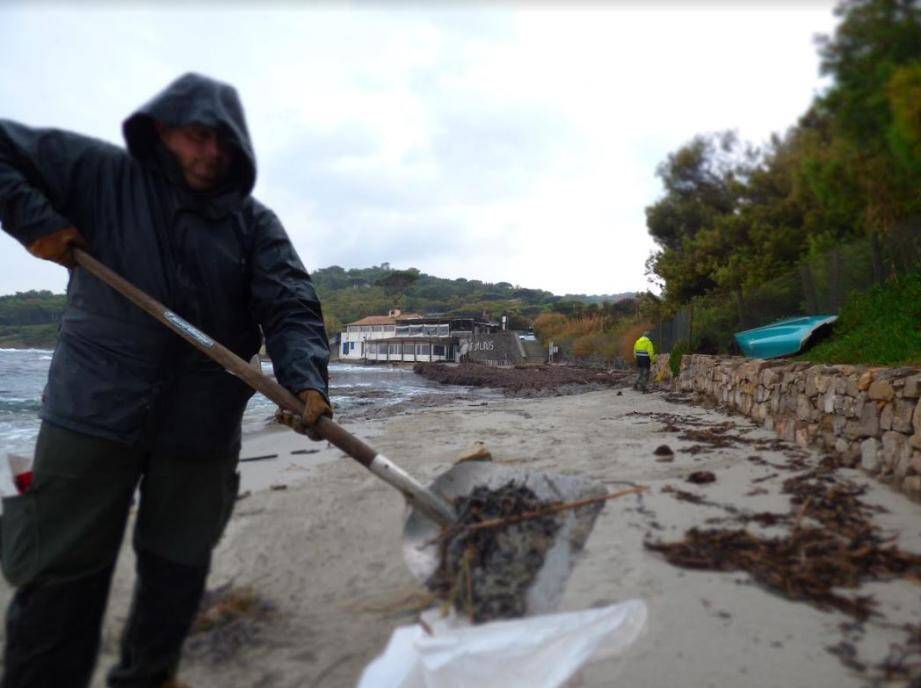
128 403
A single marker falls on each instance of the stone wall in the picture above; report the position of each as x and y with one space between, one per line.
870 417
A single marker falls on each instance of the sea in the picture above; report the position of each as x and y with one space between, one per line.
355 390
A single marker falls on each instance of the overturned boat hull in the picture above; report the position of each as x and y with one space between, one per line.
784 338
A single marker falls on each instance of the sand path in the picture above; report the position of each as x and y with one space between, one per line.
325 551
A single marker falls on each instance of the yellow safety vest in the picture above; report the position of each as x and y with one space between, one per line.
644 345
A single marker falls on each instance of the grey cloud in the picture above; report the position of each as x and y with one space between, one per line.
412 240
308 168
493 152
478 156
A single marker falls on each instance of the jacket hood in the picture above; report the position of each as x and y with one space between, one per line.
193 98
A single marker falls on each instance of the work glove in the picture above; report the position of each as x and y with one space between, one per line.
315 405
58 246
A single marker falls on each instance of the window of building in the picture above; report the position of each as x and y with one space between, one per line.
425 349
408 349
438 350
345 347
352 346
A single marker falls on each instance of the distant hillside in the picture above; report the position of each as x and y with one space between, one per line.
30 318
348 295
602 298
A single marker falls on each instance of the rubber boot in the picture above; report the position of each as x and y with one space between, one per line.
53 633
166 599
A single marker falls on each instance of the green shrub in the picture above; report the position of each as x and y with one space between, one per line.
29 336
881 326
674 360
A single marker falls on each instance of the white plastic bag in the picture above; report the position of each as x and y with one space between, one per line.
538 652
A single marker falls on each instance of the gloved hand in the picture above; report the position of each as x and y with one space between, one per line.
315 405
57 247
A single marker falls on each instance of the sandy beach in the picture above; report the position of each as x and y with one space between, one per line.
318 541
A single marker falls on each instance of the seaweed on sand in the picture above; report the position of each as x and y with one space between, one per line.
229 619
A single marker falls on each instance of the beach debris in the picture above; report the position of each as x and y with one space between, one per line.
709 435
229 620
399 602
491 555
259 458
830 544
280 486
683 496
485 573
701 477
769 476
715 437
477 452
305 451
538 380
902 664
664 453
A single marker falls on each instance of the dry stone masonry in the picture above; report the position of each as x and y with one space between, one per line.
870 417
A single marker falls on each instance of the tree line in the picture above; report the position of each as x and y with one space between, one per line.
349 295
734 216
31 308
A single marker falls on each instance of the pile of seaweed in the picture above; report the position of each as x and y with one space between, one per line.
538 380
488 561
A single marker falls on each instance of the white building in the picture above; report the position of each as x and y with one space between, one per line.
407 337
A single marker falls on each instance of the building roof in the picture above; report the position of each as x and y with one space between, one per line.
375 320
384 319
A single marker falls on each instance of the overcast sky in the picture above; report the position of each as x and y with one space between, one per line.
516 144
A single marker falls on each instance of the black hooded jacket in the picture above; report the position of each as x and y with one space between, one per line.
219 259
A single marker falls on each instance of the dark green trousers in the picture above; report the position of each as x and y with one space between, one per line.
644 366
59 546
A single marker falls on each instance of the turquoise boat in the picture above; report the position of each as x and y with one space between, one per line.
785 337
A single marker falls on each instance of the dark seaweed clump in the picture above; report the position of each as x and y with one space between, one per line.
230 619
486 572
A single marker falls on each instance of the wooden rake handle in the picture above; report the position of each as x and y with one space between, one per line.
326 428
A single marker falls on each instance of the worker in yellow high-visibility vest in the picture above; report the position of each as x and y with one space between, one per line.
644 353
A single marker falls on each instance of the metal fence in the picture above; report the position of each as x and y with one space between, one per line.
818 286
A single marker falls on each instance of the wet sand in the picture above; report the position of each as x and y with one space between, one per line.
325 551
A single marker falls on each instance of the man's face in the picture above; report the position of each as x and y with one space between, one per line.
204 156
